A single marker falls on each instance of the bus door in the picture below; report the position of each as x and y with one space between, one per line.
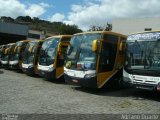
36 56
107 58
60 60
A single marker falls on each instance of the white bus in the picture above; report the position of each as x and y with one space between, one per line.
142 61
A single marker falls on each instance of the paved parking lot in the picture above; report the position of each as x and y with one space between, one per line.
22 94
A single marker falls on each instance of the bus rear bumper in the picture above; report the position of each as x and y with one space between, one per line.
84 82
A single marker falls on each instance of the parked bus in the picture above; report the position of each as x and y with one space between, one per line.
16 58
30 59
52 55
1 52
7 54
94 58
142 61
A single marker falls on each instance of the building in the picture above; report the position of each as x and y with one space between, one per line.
129 26
36 35
11 33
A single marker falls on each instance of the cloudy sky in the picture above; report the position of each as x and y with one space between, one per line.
83 13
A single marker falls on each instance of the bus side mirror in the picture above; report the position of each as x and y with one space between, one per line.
94 45
59 49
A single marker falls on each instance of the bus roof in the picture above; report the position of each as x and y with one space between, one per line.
59 36
149 35
36 41
11 43
144 32
24 41
102 32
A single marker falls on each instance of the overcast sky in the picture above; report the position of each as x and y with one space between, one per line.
83 13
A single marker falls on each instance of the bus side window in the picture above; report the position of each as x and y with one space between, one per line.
108 53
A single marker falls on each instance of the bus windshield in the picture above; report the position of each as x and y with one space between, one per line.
79 53
143 54
28 57
16 54
5 57
48 51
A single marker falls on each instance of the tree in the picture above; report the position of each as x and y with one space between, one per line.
68 29
7 19
108 27
23 19
35 19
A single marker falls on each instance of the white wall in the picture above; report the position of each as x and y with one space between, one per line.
129 26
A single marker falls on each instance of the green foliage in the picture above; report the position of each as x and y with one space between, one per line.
6 19
23 19
108 27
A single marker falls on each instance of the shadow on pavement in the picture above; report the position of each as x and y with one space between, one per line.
137 94
1 72
58 81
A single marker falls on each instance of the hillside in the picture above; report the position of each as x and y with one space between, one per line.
43 25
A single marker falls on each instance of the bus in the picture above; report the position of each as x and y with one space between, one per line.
30 59
2 47
7 54
52 55
18 52
1 51
94 58
142 61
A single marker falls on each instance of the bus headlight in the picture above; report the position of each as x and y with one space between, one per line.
91 75
65 71
126 79
31 66
158 87
50 69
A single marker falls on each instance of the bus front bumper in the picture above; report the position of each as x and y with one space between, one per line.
14 66
144 86
49 75
84 82
29 71
5 64
126 82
